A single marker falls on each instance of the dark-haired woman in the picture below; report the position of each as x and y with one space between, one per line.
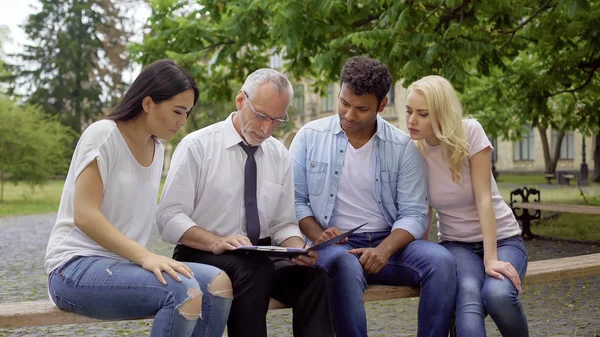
96 258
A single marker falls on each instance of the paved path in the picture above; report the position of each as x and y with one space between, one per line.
559 309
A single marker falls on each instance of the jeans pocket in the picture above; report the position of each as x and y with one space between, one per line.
59 271
316 177
67 305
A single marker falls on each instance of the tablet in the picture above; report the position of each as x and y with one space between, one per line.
291 252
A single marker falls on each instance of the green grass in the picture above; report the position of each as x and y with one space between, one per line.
568 226
21 199
562 194
523 179
572 226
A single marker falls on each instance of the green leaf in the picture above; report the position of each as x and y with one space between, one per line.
452 32
402 22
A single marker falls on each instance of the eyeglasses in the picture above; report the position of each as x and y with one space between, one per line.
277 122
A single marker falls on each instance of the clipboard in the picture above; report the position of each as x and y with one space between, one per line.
277 251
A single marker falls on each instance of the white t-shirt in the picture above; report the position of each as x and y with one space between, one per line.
355 202
129 200
458 219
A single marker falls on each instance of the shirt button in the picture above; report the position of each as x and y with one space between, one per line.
336 172
326 217
376 179
341 151
331 195
379 202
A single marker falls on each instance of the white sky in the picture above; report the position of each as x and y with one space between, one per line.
12 14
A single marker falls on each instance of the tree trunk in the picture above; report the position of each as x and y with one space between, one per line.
1 187
545 147
550 160
78 92
596 177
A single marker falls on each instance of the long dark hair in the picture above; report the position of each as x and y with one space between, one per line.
160 80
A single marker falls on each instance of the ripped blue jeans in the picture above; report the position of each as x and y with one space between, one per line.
109 289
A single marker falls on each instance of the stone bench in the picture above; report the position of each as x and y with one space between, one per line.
39 313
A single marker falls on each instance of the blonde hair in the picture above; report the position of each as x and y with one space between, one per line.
445 111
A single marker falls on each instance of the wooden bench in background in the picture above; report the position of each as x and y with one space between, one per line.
521 209
39 313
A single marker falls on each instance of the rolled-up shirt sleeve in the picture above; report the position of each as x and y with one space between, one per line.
298 153
177 201
412 199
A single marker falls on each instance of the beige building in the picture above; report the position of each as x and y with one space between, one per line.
524 156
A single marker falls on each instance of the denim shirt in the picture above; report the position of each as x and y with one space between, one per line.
398 174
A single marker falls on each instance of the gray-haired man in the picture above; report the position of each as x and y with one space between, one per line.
230 184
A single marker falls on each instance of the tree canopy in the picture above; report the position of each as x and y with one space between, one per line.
517 62
551 46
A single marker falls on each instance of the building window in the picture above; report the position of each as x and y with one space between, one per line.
567 146
391 95
299 99
328 102
524 150
275 61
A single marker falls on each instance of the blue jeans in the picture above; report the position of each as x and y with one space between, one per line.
479 293
110 289
419 263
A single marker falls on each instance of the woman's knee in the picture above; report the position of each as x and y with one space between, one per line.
498 295
221 286
186 297
191 305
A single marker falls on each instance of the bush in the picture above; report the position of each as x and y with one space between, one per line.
34 147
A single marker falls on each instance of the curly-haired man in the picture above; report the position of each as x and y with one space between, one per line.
352 168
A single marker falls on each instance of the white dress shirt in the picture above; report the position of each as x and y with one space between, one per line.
205 187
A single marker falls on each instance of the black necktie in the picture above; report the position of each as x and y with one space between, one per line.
252 220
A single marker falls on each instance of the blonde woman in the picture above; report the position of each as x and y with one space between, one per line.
474 223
